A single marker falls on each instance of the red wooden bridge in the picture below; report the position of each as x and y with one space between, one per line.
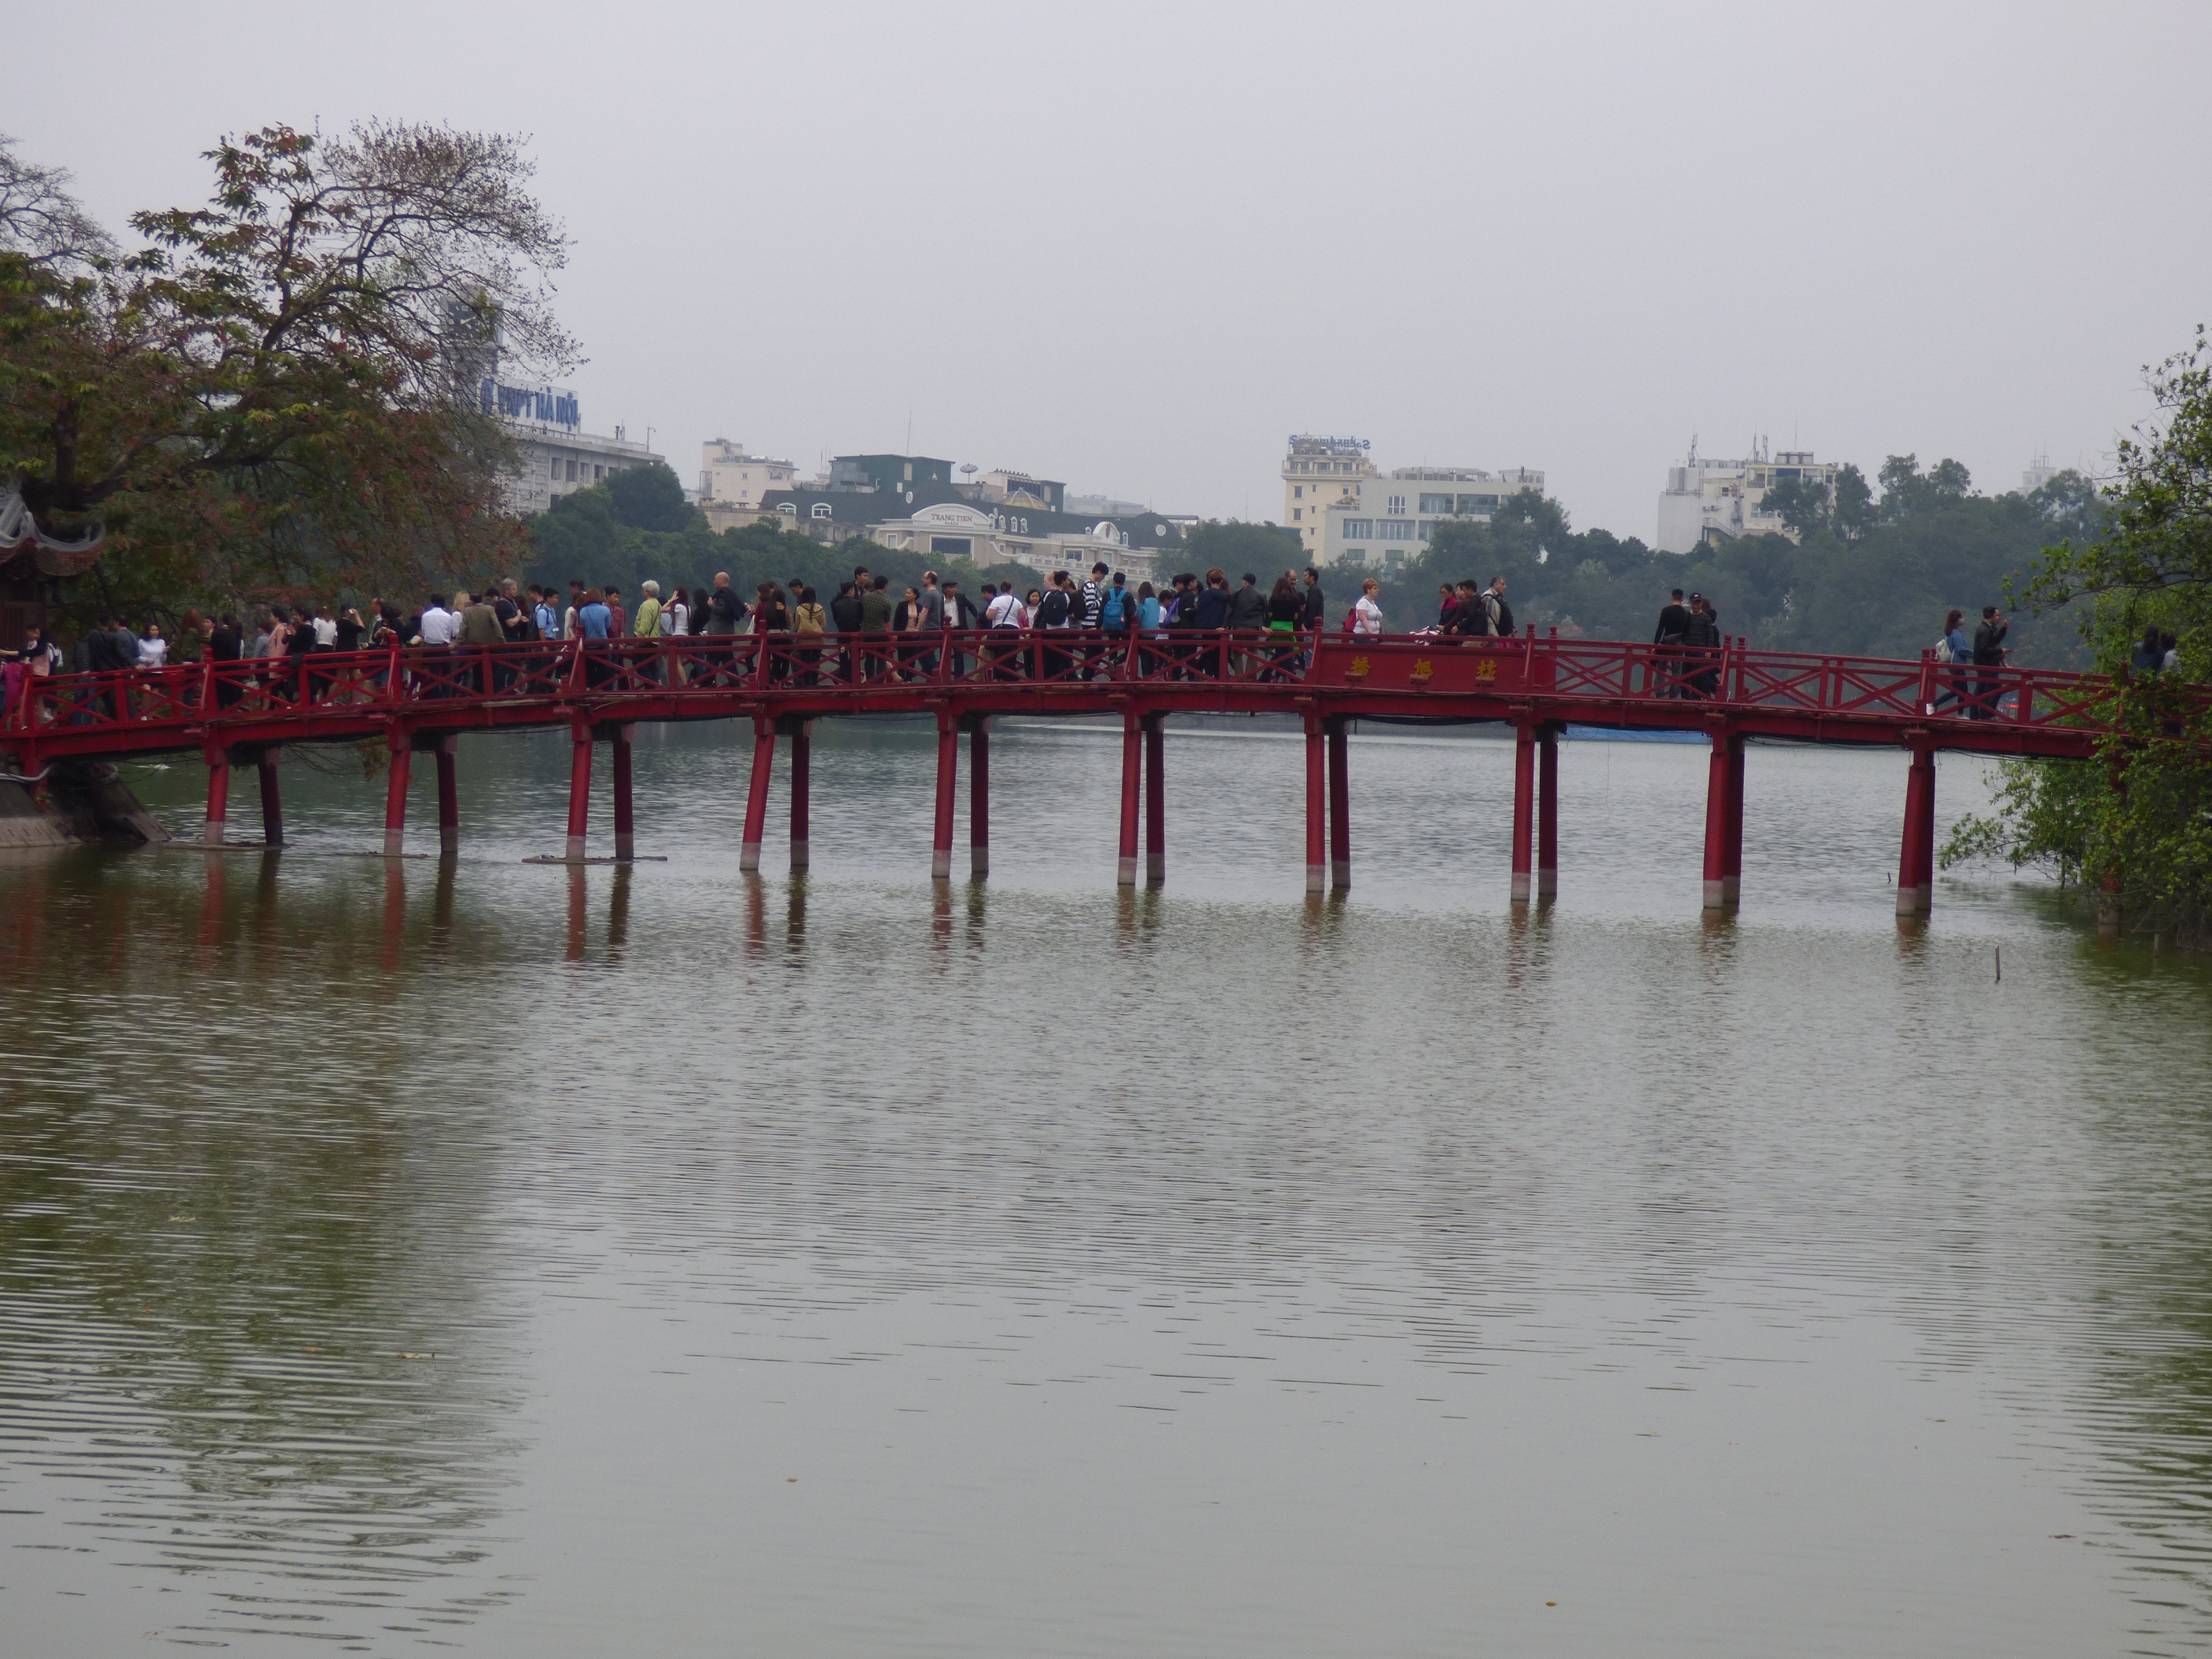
420 700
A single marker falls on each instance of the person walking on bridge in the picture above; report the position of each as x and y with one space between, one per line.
1666 680
1955 652
1494 608
1700 644
1989 662
1367 614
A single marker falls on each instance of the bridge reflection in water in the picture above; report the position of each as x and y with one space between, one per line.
419 701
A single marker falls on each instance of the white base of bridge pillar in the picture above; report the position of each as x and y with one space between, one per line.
1915 901
1548 883
1717 897
1520 887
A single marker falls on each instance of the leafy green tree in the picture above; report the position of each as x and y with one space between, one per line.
1235 546
2133 826
277 392
651 497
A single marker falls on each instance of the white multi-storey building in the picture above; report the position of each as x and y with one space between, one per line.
1708 500
1345 511
730 476
1317 473
557 456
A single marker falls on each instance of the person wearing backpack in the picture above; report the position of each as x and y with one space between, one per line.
1953 651
1499 613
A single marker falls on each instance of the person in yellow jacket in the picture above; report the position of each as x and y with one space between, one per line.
809 622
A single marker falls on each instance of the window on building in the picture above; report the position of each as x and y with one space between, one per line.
1394 529
951 547
1358 529
1477 503
1436 504
1428 529
1355 556
820 510
789 509
1297 492
597 473
553 469
1296 513
1397 504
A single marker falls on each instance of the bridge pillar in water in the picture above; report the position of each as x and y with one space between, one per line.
1724 823
749 850
1340 803
401 756
1916 858
618 737
1156 800
218 796
1317 806
802 778
579 790
272 797
1547 811
1732 863
1524 807
979 794
948 783
1133 764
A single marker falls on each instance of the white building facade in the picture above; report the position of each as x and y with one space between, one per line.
557 456
732 476
1708 500
1346 510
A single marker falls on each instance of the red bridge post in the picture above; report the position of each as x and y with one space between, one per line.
1723 804
1524 804
1132 761
749 850
1340 803
1156 800
979 795
402 754
272 798
625 814
1547 811
1732 860
1316 798
948 781
449 797
802 772
218 795
1916 858
579 790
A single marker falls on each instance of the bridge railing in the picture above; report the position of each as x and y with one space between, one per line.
280 689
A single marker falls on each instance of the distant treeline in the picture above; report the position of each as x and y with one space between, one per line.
1869 575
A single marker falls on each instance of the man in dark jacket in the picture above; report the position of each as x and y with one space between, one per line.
1212 611
1469 616
1248 606
1989 658
1314 616
1700 647
1666 657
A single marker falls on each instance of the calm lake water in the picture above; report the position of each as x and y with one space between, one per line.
499 1258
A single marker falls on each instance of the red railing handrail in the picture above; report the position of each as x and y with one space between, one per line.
429 680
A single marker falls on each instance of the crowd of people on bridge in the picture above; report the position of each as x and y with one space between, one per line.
863 632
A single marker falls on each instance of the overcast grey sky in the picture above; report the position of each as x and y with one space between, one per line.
1135 246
